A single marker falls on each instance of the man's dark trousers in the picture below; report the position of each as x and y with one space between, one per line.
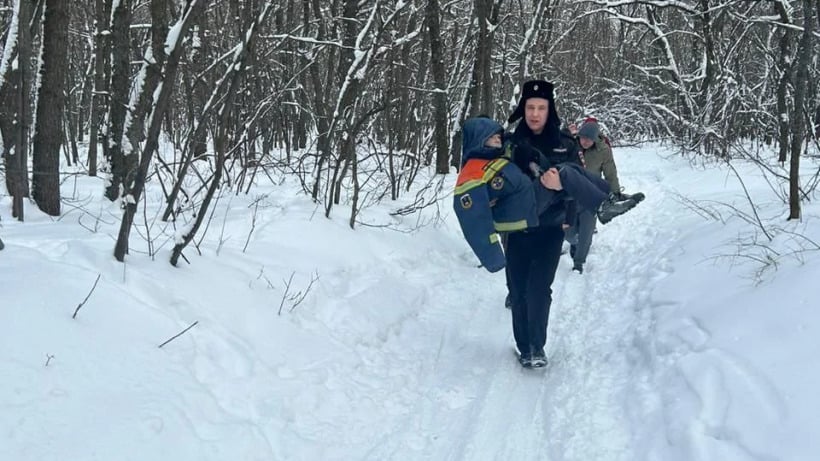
532 259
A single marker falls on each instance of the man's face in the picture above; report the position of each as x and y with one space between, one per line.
586 143
536 111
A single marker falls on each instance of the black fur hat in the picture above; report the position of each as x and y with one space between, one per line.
535 89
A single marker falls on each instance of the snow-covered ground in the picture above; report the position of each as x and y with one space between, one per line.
401 348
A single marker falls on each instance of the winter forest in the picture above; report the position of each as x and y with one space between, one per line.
354 97
295 162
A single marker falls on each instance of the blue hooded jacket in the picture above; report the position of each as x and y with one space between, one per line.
492 194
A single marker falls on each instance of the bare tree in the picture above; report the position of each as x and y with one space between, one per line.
118 105
800 126
232 77
785 67
432 19
101 70
48 132
160 105
15 86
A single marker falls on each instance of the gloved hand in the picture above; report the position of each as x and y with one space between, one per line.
524 155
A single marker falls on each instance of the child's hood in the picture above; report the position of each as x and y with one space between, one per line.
476 132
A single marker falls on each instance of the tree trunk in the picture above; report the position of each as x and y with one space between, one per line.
99 96
799 126
785 67
354 205
51 100
481 81
433 14
71 132
163 99
711 70
198 84
150 75
86 93
120 85
15 100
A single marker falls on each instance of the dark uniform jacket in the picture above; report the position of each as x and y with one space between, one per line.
493 195
548 149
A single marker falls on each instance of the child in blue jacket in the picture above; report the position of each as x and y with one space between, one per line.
493 194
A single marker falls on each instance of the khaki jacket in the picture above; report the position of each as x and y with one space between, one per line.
598 160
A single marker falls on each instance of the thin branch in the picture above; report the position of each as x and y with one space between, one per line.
179 334
300 296
285 294
296 298
751 202
253 225
86 298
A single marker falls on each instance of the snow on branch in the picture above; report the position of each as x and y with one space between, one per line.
172 43
358 67
685 6
11 43
297 38
671 61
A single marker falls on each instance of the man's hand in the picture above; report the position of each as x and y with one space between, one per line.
525 153
551 180
565 226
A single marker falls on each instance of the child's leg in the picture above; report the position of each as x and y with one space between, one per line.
586 188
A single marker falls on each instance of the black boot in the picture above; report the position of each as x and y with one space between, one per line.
637 196
578 267
613 207
572 249
538 359
525 360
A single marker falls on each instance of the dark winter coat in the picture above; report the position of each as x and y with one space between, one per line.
493 195
549 149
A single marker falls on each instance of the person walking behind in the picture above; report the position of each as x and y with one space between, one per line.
596 155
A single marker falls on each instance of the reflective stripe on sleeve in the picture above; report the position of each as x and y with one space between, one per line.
510 226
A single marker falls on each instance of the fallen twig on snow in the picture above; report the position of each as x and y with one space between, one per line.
86 297
179 334
296 298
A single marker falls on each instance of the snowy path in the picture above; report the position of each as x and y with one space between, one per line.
457 391
402 351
